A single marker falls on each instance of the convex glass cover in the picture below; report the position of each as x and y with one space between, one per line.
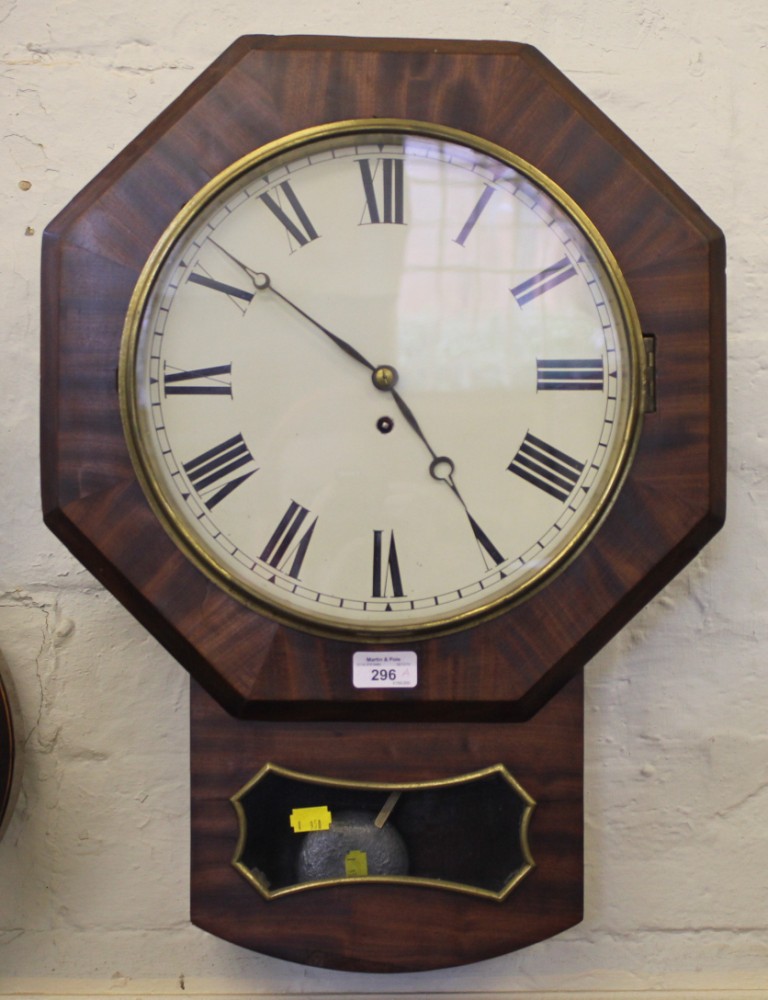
381 379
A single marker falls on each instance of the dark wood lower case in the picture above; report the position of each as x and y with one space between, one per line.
376 927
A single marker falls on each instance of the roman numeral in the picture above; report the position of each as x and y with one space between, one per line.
486 546
474 215
387 581
546 467
289 541
387 175
211 473
570 373
220 286
299 227
549 278
213 381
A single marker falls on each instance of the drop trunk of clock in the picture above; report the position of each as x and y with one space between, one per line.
488 870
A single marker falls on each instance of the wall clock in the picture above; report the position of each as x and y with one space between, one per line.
383 381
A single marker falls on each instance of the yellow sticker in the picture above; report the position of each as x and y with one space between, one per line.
356 864
310 819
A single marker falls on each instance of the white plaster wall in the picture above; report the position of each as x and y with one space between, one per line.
94 865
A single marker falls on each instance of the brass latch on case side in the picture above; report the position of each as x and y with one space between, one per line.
649 342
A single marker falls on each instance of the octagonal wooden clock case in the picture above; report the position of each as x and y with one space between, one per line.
383 382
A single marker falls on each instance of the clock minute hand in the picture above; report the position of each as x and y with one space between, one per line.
346 347
384 377
262 282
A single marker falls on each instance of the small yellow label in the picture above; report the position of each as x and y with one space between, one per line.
356 864
310 819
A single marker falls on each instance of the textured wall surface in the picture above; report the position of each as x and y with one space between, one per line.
94 864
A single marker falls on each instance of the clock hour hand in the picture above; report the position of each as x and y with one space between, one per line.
262 282
441 467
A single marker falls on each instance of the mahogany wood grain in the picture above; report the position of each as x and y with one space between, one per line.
262 88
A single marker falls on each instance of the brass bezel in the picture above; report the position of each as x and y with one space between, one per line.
409 880
324 625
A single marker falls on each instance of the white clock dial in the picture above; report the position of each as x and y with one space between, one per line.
381 378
